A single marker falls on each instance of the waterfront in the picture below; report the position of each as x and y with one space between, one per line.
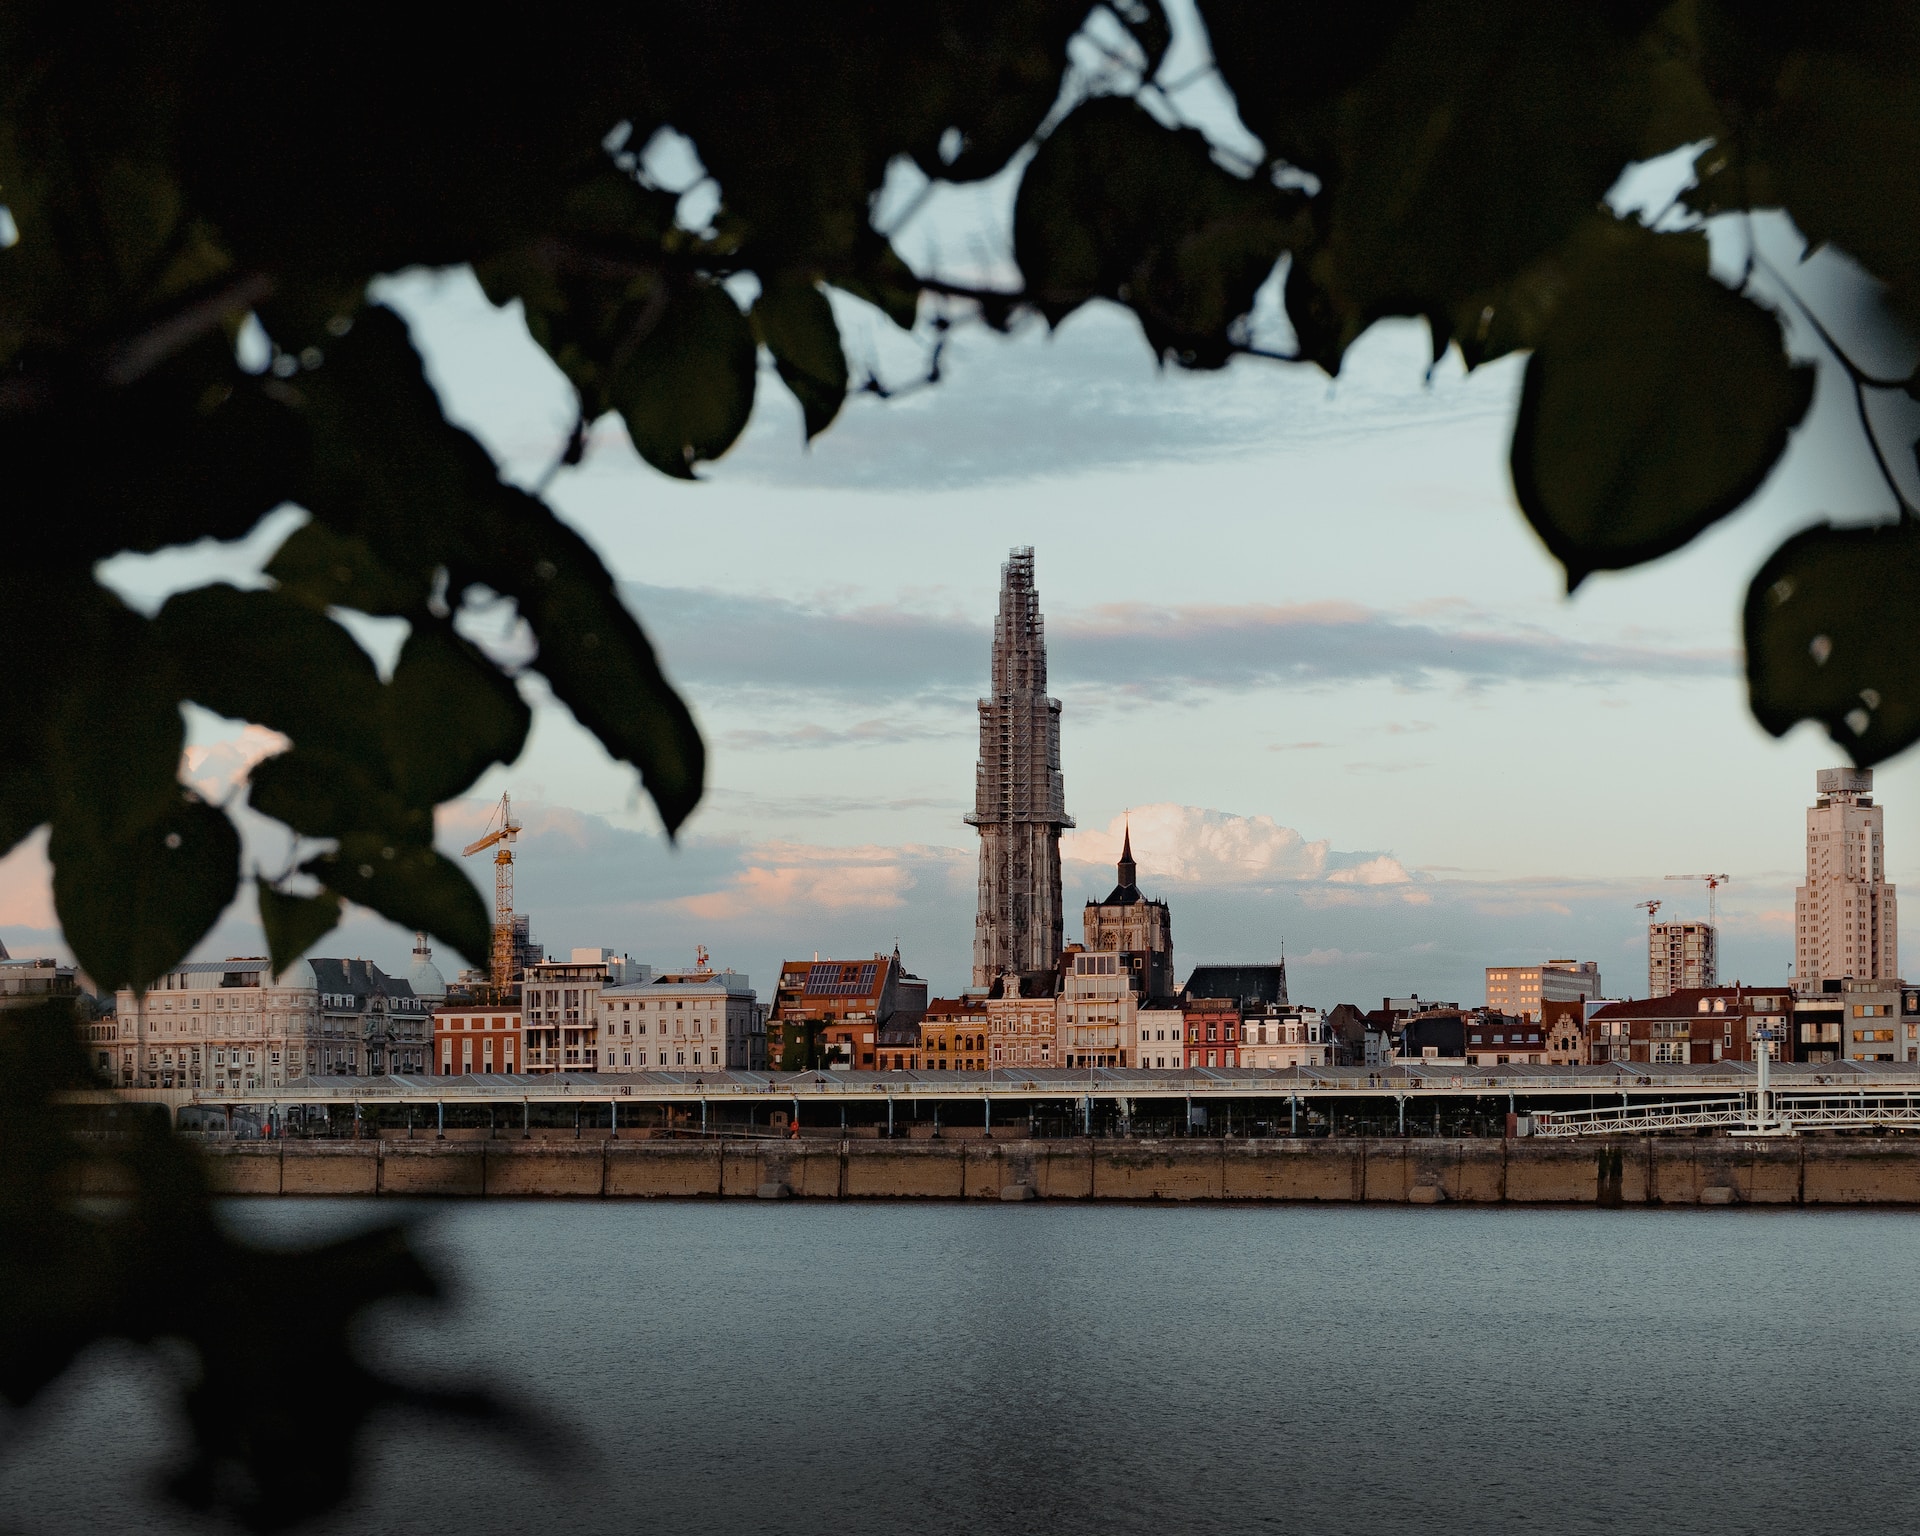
1045 1368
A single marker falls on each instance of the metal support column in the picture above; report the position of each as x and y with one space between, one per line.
440 1122
703 1117
1293 1114
987 1105
526 1122
889 1117
613 1110
1401 1100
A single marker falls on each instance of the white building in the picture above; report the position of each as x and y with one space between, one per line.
560 1007
224 1024
1096 1017
683 1022
1161 1028
1282 1036
1845 922
1520 990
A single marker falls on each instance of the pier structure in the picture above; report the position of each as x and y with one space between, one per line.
1417 1099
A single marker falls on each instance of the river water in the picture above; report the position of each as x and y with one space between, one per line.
1059 1369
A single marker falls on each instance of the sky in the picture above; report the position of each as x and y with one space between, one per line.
1306 647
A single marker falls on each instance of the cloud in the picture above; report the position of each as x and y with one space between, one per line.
782 877
866 733
784 646
218 768
26 887
1191 846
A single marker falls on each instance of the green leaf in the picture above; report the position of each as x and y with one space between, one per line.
322 791
1655 403
391 472
1830 637
410 885
686 391
795 321
446 715
1115 205
133 907
294 924
879 276
325 568
264 657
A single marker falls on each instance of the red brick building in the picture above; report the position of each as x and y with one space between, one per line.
1693 1026
1213 1031
477 1038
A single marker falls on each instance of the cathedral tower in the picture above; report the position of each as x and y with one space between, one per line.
1019 797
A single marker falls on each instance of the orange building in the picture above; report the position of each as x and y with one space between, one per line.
829 1012
477 1038
953 1035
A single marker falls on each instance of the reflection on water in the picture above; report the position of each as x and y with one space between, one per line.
945 1368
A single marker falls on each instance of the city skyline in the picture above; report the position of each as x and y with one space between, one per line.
1363 722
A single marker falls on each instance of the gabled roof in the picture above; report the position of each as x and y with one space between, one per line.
1249 985
1685 1003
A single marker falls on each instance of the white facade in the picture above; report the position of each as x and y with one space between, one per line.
221 1024
1845 921
1280 1037
682 1024
1160 1036
1097 1013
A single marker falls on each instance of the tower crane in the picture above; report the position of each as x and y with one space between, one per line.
1653 909
1714 882
503 836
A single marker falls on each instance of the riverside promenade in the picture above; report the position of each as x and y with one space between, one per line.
1817 1170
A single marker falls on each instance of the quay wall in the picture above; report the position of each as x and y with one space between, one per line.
1620 1171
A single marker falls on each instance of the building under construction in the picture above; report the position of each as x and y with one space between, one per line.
1020 798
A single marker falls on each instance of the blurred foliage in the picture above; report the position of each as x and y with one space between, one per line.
179 178
279 1394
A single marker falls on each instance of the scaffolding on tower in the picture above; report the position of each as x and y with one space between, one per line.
502 831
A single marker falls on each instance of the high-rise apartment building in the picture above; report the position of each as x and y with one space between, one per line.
1522 990
1845 922
1680 956
1020 798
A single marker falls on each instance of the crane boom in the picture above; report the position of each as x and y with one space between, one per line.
1714 882
503 835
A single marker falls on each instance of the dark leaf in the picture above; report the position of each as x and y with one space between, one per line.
133 907
264 657
423 495
322 791
446 715
324 568
878 275
294 924
410 885
686 391
1830 638
795 321
1656 403
1114 205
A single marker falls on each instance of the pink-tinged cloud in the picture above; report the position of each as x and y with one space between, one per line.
791 877
26 886
216 769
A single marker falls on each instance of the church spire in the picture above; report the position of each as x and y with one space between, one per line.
1127 870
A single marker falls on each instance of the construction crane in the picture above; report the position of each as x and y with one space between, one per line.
1653 909
1714 882
503 835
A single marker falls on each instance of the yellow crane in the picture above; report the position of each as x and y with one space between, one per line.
503 835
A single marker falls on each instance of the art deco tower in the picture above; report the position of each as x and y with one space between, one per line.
1845 920
1019 797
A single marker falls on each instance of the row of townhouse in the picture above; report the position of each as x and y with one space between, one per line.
576 1015
233 1024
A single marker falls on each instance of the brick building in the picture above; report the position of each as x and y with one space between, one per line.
954 1035
872 994
1213 1031
1693 1026
1023 1019
477 1037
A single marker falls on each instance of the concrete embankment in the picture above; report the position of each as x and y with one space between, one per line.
1638 1171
